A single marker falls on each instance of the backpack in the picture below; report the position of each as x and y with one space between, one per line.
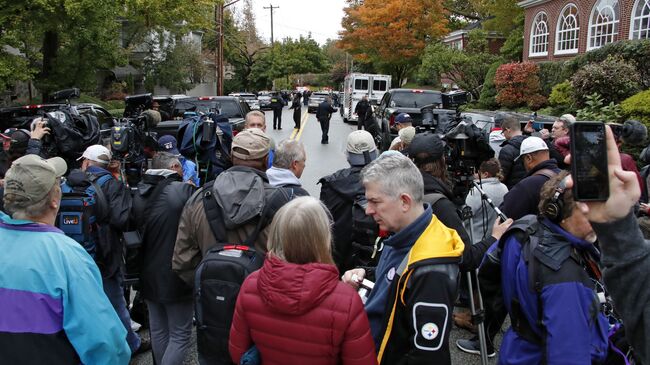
364 232
221 273
81 209
211 156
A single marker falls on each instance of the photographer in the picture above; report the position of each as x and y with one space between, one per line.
40 130
427 152
625 254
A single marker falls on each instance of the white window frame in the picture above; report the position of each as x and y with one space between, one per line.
562 20
534 36
634 18
616 23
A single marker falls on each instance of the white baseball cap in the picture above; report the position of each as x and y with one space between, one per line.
97 153
532 144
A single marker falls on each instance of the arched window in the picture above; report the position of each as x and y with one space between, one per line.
568 28
539 36
640 25
603 23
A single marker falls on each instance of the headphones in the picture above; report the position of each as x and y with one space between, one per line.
555 208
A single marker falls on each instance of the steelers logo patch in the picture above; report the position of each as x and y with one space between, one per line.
430 331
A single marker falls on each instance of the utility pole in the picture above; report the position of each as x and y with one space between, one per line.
218 54
271 7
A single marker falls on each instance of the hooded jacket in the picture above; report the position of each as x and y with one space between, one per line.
242 193
338 192
574 331
300 314
159 224
513 171
285 178
419 292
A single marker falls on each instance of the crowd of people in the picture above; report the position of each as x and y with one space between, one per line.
389 223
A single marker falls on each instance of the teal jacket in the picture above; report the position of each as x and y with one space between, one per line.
53 309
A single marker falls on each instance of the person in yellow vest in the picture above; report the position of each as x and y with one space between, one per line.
411 304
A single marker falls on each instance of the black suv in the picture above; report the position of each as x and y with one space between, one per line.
232 107
411 101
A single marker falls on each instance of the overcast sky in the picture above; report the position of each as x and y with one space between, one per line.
295 17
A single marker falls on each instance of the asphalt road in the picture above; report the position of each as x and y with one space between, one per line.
321 160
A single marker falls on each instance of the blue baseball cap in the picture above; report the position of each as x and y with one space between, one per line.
168 144
403 118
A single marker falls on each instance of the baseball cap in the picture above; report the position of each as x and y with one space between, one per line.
169 144
251 144
532 144
426 147
406 135
32 177
97 153
359 144
403 118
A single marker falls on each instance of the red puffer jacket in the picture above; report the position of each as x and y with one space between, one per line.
301 314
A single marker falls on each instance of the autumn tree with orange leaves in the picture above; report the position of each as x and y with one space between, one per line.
392 34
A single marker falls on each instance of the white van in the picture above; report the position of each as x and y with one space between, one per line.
355 86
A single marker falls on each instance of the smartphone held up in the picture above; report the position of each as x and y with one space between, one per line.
589 161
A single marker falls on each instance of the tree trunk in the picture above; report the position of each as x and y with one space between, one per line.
50 51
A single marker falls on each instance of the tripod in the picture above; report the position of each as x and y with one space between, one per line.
478 310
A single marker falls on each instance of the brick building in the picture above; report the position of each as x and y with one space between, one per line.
562 29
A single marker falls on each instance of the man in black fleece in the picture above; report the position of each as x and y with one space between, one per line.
513 169
427 152
625 254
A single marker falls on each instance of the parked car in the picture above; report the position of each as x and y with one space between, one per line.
486 120
315 99
410 101
250 99
264 98
232 107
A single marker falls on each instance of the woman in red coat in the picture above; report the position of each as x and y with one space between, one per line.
295 309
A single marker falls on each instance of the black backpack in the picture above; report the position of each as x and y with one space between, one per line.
364 233
220 275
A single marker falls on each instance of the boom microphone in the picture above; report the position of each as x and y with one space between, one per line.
151 118
631 132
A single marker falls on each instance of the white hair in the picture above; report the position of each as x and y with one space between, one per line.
396 174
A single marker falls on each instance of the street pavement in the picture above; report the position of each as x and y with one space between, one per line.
321 160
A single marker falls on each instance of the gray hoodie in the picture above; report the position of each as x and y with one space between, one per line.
626 258
280 177
484 216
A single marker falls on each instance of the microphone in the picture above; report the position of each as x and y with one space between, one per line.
151 118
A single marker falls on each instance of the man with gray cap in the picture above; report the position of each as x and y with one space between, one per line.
109 254
340 192
52 306
243 195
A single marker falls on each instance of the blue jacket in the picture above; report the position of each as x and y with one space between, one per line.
189 172
575 331
53 309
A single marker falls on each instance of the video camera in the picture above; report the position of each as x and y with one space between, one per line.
131 136
466 145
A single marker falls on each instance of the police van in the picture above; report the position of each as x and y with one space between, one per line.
355 86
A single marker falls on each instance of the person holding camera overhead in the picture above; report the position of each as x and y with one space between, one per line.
294 309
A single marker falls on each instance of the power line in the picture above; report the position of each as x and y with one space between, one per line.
271 8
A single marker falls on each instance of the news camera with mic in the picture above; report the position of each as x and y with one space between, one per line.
631 132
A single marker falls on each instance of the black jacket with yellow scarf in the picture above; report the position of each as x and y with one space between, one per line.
420 301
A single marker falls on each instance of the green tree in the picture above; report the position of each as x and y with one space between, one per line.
466 68
180 68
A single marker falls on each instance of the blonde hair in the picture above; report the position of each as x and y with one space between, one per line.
300 232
